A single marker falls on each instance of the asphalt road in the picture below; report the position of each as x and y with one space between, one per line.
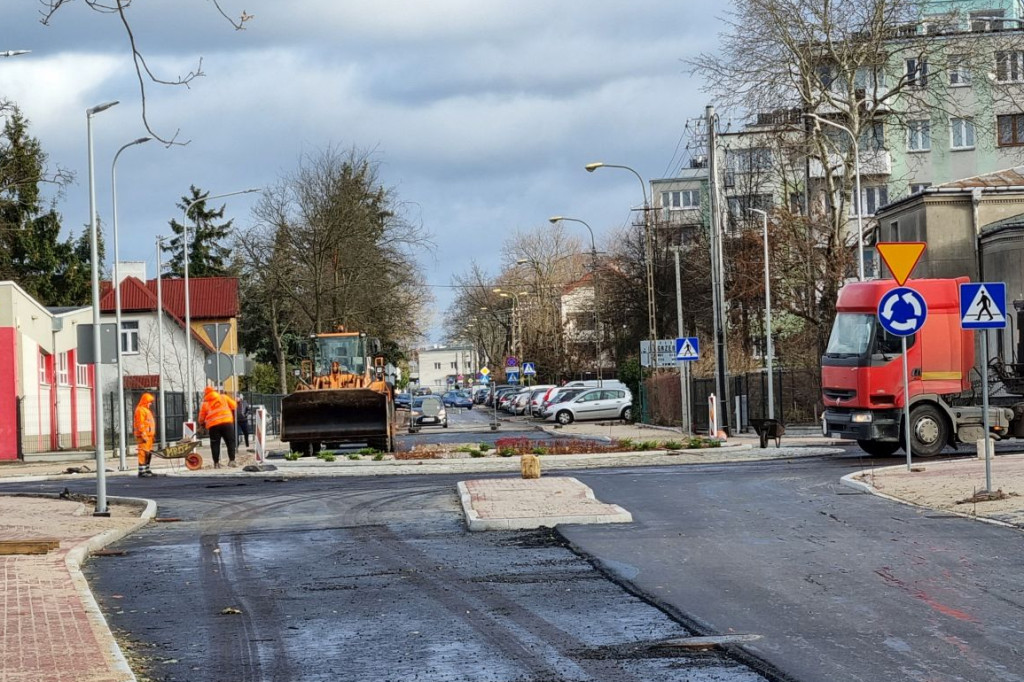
369 579
843 586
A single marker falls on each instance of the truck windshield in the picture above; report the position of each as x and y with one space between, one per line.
851 334
347 351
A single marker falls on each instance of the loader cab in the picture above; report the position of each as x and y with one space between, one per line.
348 350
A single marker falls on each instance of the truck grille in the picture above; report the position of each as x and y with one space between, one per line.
839 394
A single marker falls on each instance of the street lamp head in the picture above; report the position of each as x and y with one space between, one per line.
141 140
591 167
101 107
14 53
522 261
554 219
496 290
504 295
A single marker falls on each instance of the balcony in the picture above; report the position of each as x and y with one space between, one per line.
872 162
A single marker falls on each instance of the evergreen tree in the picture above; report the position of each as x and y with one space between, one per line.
31 251
207 255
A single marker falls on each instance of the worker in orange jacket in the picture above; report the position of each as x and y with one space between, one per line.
145 433
217 414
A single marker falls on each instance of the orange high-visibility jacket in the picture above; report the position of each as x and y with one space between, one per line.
217 409
145 424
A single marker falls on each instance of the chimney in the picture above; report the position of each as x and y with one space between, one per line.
131 268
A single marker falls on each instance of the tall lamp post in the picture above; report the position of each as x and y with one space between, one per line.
190 389
648 255
856 180
101 476
597 324
768 349
117 307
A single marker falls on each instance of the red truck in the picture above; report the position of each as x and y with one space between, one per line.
862 376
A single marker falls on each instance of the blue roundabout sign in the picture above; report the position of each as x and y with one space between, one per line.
902 311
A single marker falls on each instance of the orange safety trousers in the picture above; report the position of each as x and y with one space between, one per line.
145 433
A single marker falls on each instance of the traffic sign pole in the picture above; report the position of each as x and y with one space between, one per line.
906 402
984 408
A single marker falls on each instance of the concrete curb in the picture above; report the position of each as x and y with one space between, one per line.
77 556
849 481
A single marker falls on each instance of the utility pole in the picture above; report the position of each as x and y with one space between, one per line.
717 277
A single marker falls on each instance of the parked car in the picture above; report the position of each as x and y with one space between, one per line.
403 401
505 396
521 402
488 401
558 395
427 410
457 399
605 403
536 395
424 390
480 394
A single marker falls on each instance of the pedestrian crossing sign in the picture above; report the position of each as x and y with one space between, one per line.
983 305
688 348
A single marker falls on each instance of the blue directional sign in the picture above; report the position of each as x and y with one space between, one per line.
529 369
688 348
983 305
902 311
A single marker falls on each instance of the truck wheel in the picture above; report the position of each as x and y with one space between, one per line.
928 431
877 448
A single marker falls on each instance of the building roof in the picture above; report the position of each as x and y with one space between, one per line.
1014 221
1010 177
64 309
136 297
210 298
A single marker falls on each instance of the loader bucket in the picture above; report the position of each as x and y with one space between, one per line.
335 415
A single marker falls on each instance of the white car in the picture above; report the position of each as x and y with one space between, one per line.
427 410
598 403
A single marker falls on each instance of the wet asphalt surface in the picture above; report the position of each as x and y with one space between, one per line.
369 579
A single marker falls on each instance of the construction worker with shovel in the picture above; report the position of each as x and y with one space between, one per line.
145 433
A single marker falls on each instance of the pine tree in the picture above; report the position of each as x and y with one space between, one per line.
208 256
31 251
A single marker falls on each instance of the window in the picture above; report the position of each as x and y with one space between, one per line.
62 369
919 136
959 70
454 365
129 337
872 137
437 365
987 20
678 200
43 379
1010 66
872 198
738 206
917 72
1011 130
81 375
962 133
749 160
867 78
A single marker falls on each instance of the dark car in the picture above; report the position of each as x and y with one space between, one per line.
403 401
457 399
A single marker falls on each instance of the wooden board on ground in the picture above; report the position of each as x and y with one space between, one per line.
36 546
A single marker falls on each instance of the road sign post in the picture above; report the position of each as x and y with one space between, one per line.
983 306
687 350
902 311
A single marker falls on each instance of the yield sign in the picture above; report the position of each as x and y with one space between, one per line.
900 257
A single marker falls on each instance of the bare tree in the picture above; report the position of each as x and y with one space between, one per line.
144 74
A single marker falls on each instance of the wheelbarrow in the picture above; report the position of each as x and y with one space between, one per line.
183 450
768 428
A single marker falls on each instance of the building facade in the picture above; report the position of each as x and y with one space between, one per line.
444 367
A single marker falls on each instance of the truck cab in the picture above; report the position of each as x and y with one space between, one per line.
862 373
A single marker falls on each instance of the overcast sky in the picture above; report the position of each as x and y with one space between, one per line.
482 113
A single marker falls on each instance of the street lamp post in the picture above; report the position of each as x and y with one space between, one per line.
597 324
101 477
117 308
190 389
648 255
160 339
856 180
686 422
768 349
517 319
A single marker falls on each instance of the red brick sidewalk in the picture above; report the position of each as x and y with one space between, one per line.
51 627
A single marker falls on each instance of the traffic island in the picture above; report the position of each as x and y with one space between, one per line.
522 504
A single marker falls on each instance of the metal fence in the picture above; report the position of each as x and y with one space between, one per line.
175 408
797 398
